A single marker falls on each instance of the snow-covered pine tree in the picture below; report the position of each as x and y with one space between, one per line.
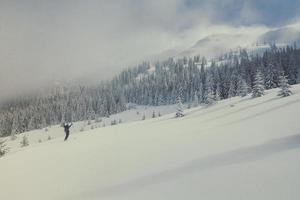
234 83
298 76
217 94
179 110
269 78
210 99
31 124
196 100
284 86
153 114
231 92
24 142
3 148
258 87
243 88
209 96
14 128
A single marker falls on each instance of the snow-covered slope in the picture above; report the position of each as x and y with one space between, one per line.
287 35
216 45
134 113
240 148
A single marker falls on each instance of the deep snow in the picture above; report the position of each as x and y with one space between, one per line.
240 148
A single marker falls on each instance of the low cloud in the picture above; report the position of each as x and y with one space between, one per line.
45 41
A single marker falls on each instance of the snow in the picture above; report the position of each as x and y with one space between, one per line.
239 148
135 113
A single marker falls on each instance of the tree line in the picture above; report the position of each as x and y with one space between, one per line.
193 79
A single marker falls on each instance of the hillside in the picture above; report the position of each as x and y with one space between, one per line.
191 78
240 148
215 46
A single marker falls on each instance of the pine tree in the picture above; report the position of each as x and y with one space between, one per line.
179 111
269 79
258 87
31 124
14 128
234 83
298 76
284 86
24 142
231 91
3 148
217 94
243 88
153 114
196 100
210 99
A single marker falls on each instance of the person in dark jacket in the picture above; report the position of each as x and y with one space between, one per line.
67 127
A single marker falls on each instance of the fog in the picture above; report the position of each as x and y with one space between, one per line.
43 42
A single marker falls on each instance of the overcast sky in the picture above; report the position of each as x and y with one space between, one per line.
42 41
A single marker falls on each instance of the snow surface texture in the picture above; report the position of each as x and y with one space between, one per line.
240 148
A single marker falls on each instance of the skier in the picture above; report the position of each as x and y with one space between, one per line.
67 127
